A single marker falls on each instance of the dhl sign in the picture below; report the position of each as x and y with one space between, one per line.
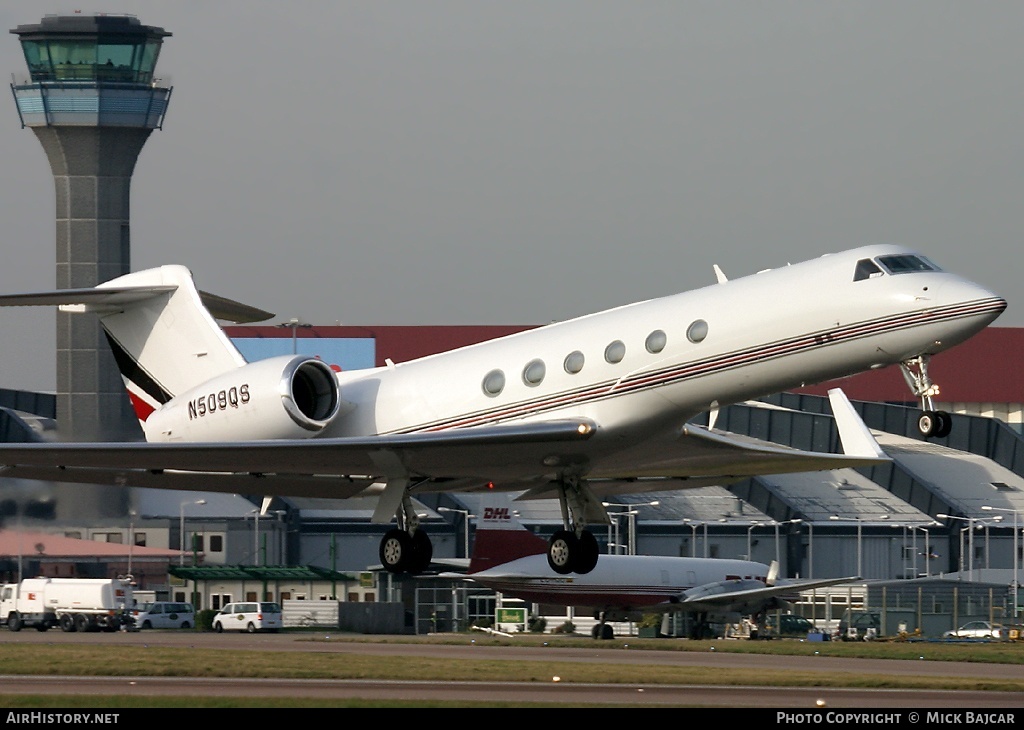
497 513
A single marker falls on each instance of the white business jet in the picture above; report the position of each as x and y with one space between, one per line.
580 410
509 559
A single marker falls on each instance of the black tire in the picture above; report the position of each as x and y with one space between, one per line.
14 622
146 625
218 627
563 547
945 424
421 552
186 625
251 628
82 623
928 423
586 559
395 550
607 632
67 623
43 626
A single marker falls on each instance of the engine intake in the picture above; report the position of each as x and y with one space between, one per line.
285 397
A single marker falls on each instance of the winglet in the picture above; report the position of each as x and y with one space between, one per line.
854 435
720 275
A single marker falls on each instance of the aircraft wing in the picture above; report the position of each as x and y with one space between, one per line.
743 597
337 468
525 456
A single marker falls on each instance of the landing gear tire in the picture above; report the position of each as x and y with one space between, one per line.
396 550
589 550
602 631
421 553
563 547
935 424
927 423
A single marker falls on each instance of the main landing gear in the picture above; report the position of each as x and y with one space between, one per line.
573 549
406 548
930 422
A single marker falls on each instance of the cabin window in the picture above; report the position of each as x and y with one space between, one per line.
697 331
656 341
906 264
573 362
533 373
866 269
615 352
494 383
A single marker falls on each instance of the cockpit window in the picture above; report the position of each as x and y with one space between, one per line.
906 264
866 269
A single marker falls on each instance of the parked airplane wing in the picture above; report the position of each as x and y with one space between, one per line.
741 597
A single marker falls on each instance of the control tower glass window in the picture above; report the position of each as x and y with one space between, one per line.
114 60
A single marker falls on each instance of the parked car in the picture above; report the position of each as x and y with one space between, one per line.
164 615
974 630
248 616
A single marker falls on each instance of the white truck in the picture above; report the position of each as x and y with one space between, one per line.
74 604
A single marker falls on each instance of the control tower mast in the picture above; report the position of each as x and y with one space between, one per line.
92 99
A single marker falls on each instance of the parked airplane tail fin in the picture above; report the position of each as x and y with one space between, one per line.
161 329
501 537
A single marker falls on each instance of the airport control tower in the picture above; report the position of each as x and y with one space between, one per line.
92 99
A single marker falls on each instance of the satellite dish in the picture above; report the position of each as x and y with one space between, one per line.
40 548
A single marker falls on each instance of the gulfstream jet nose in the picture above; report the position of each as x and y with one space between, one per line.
969 306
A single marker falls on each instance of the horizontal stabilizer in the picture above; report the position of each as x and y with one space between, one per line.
104 300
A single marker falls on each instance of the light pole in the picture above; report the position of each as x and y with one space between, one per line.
750 546
466 517
1016 553
181 528
693 540
131 537
630 514
927 547
776 523
255 536
810 550
970 542
294 323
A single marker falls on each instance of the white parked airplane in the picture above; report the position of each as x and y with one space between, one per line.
511 560
579 410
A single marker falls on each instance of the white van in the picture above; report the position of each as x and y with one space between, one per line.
164 615
248 616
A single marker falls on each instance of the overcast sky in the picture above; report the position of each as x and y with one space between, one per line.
442 162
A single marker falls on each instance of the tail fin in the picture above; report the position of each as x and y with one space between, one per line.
500 536
161 329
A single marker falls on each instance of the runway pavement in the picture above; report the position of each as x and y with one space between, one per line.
614 652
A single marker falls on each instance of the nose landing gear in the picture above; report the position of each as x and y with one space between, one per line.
930 422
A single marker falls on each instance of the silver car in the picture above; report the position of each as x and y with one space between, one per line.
974 630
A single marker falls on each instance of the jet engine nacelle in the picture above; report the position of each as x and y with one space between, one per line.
288 397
